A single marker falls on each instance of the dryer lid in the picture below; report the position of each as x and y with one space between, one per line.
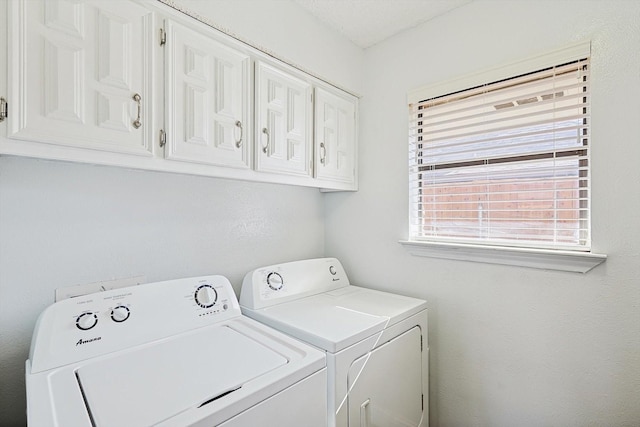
151 384
337 319
318 321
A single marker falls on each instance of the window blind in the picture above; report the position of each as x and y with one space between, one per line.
504 163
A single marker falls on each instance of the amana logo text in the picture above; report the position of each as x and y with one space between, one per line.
81 341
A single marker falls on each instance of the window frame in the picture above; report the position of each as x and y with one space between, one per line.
574 259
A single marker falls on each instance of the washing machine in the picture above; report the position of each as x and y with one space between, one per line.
172 354
376 342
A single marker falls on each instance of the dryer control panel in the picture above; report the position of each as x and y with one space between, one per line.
91 325
275 284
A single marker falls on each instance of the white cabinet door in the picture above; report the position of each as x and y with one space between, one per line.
335 136
283 107
80 74
386 385
207 99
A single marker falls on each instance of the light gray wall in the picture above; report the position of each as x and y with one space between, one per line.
63 224
510 346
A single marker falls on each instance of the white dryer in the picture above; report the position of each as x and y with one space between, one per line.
172 354
376 342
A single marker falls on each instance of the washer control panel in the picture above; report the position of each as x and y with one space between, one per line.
91 325
279 283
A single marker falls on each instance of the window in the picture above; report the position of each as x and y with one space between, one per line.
504 163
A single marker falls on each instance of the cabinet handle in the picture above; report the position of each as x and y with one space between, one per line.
363 413
239 141
137 123
323 153
4 109
265 149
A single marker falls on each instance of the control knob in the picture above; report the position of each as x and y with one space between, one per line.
120 313
206 296
274 280
86 321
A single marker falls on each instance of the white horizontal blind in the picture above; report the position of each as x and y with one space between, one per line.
506 163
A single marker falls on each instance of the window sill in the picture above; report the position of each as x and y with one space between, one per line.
545 259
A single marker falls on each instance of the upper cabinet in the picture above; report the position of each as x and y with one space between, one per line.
335 136
79 74
135 83
207 99
283 122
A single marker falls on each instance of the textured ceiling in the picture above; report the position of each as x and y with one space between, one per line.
367 22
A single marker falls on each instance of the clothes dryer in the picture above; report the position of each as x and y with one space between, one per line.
376 342
171 354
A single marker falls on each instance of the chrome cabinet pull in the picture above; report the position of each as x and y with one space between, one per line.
4 109
323 153
265 149
137 123
239 141
363 413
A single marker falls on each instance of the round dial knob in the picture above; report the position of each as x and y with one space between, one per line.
86 321
274 280
206 296
120 313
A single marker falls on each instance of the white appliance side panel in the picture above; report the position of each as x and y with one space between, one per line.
386 384
147 386
303 404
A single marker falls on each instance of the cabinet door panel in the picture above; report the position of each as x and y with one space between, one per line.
64 89
282 122
335 137
80 65
207 95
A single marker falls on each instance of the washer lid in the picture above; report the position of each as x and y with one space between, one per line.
154 383
337 319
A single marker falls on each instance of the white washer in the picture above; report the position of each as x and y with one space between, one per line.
376 342
172 354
